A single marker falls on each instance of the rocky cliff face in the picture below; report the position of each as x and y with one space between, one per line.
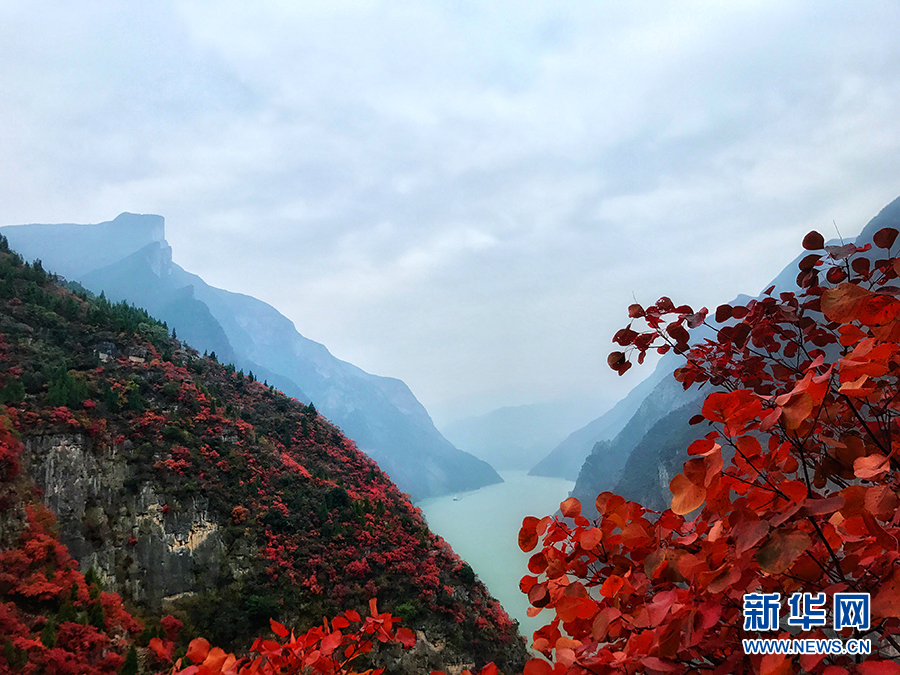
166 554
647 435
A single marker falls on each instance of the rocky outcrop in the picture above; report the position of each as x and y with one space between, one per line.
136 542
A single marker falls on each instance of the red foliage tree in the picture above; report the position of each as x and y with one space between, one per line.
329 649
797 486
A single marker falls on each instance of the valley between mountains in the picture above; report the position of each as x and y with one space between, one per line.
156 489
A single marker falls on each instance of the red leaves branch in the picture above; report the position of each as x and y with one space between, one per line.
804 499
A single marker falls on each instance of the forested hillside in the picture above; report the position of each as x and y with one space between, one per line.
192 489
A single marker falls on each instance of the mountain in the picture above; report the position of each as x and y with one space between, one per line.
653 431
652 447
185 487
516 437
129 259
567 458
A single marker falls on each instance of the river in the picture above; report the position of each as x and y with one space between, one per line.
483 528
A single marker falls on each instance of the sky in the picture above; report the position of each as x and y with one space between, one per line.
463 195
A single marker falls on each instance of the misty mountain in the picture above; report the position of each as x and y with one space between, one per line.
516 437
652 446
129 259
567 458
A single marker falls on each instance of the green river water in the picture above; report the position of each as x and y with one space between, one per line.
483 528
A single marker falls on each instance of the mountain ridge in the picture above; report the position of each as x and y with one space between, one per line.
255 336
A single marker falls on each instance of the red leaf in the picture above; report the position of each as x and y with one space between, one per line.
813 241
197 650
748 534
723 313
838 304
821 507
590 538
612 586
871 667
835 275
538 596
794 489
701 446
809 261
278 628
857 388
776 664
618 362
538 563
217 658
748 446
624 337
871 467
678 333
406 637
860 266
570 508
781 550
537 667
686 496
331 642
697 319
528 537
162 649
885 237
850 334
841 252
886 602
733 408
797 410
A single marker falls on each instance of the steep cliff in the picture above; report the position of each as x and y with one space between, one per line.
191 488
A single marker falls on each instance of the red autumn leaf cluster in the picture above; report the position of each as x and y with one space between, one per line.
329 649
796 487
45 602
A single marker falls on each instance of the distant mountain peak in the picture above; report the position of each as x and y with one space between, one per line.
78 249
151 222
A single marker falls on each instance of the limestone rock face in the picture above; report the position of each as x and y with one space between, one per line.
136 542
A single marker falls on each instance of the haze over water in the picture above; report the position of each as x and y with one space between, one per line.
483 528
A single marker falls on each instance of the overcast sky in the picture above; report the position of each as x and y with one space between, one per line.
462 195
